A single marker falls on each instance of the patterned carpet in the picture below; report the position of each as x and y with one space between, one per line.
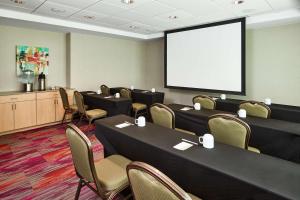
37 164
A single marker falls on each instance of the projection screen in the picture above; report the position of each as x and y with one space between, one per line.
208 57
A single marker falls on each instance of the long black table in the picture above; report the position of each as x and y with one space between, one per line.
278 111
142 96
271 136
112 105
224 172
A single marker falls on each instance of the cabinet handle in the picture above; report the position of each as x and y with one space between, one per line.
12 106
15 106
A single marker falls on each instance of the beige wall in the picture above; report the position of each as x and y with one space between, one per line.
272 66
12 36
97 60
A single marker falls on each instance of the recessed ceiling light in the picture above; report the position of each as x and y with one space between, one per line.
133 27
236 2
57 10
173 17
89 17
127 1
17 1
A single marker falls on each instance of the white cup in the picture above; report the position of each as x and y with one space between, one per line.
132 87
223 96
197 106
117 95
207 140
98 91
153 90
268 101
242 113
141 121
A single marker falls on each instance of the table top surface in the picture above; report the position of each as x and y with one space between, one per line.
105 97
272 174
274 124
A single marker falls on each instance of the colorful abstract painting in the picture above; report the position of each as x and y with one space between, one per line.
34 59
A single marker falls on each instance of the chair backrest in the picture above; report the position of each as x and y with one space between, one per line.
79 102
149 183
105 90
64 98
206 101
256 109
162 115
82 154
126 93
229 130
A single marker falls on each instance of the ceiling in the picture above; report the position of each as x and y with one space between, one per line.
147 16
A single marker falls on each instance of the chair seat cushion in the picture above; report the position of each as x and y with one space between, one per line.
138 106
253 149
193 197
96 113
111 172
185 131
75 108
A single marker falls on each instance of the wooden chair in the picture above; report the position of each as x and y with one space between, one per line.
256 109
206 101
136 107
162 115
69 109
108 175
230 130
90 115
148 183
105 90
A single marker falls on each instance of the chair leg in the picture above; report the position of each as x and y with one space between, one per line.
64 117
78 189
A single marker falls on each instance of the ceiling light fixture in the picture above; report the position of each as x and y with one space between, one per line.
57 10
127 1
133 27
17 1
173 17
237 2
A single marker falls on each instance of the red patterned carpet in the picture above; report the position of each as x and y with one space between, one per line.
37 164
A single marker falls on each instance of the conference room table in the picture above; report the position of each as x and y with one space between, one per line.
274 137
112 105
142 96
224 172
278 111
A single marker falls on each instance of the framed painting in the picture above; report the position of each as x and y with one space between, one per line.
32 59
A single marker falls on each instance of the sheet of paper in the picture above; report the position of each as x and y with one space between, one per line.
91 93
215 98
186 108
123 125
182 146
108 97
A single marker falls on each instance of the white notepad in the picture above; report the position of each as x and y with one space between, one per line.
215 98
182 146
108 97
186 108
123 125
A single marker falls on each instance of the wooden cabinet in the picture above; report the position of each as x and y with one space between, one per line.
17 111
6 117
23 110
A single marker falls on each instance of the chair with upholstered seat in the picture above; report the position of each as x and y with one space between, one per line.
206 101
256 109
105 90
108 175
136 107
69 109
148 183
162 115
90 115
230 130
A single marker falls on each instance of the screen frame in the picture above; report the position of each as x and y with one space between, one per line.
243 56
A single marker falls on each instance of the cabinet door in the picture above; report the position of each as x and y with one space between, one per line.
45 111
6 117
25 114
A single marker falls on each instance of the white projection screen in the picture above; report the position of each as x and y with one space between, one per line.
209 58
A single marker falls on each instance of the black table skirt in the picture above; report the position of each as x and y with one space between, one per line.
278 111
113 106
273 137
223 173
